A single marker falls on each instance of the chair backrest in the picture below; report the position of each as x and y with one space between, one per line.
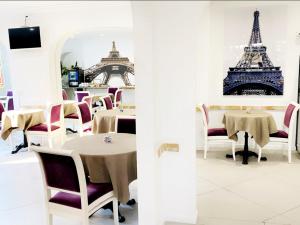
118 97
112 90
290 116
62 170
107 102
84 112
9 93
55 113
88 100
64 95
1 110
80 94
10 103
205 117
126 124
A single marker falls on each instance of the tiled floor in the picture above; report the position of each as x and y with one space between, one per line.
229 193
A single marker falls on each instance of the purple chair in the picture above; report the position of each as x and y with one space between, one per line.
214 134
10 103
1 111
125 124
112 90
107 103
67 190
285 135
49 129
80 94
9 93
118 98
85 118
64 95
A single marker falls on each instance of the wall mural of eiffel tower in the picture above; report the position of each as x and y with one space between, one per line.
254 74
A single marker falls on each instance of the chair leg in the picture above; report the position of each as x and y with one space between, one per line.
116 211
85 221
50 142
233 150
49 219
205 148
289 154
259 153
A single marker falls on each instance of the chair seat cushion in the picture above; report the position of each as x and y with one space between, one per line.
87 129
42 127
72 116
280 134
217 132
95 191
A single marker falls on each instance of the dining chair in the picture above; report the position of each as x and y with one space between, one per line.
53 126
80 94
214 134
10 103
68 191
107 103
64 95
286 134
125 124
112 90
118 98
84 119
9 93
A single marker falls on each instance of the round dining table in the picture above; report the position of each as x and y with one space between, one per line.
104 162
257 123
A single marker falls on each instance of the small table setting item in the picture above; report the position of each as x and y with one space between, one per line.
21 119
108 158
104 120
257 123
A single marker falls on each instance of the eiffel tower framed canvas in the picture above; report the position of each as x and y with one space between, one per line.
254 73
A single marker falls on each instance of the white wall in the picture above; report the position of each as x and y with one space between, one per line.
166 34
39 68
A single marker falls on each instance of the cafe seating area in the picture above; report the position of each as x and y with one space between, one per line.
149 113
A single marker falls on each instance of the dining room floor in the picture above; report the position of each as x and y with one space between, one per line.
228 192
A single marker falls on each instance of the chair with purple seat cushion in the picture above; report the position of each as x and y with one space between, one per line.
112 90
80 94
9 93
214 134
107 103
67 189
2 109
118 98
52 127
84 118
286 134
125 124
64 94
10 104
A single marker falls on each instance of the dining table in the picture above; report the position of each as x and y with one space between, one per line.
256 123
20 119
104 120
112 161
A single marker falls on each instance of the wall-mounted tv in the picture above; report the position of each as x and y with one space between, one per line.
24 37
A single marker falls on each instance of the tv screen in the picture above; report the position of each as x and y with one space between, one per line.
25 37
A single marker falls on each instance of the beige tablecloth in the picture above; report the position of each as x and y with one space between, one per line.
69 107
22 119
108 162
257 123
104 120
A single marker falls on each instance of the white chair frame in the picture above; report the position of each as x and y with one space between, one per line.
81 127
211 139
104 104
288 142
67 211
49 134
115 99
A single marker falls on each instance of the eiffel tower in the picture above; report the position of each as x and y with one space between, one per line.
113 65
254 74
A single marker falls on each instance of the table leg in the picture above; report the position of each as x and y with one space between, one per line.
23 145
246 153
110 207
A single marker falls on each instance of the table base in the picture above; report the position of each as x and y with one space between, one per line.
250 153
71 130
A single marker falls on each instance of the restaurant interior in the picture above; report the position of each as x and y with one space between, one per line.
149 112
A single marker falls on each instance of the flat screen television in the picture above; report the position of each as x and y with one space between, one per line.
24 37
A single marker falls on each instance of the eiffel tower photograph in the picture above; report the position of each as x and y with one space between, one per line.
254 74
